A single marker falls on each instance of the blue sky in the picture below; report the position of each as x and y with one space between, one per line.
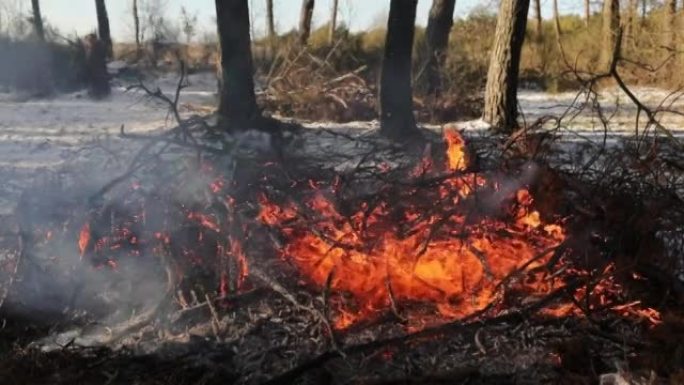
79 15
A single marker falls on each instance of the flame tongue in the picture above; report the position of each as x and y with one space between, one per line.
450 256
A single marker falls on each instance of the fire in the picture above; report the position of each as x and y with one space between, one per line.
454 260
456 156
84 239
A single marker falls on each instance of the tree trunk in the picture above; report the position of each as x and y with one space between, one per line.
671 34
103 26
96 64
136 25
500 108
587 12
538 20
670 24
333 22
610 30
305 21
38 20
556 20
237 101
439 25
271 28
643 11
396 95
270 20
630 27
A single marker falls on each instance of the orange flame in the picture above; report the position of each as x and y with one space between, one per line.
456 155
84 239
450 262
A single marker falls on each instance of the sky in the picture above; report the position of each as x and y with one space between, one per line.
78 16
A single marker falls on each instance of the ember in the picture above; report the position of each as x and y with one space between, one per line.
451 257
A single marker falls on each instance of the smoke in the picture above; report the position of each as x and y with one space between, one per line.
508 185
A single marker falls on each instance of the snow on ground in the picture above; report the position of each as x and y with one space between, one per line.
40 137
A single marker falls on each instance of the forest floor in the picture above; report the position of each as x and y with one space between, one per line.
43 140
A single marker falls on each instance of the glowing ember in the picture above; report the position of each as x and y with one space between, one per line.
446 257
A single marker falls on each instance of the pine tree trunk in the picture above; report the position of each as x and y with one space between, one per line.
136 25
103 26
500 108
271 27
237 101
671 34
587 12
396 95
538 20
610 30
305 17
439 25
643 11
270 21
333 23
556 20
630 27
670 23
38 20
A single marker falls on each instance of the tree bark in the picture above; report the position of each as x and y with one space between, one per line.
587 12
643 11
630 27
103 26
38 20
439 25
270 21
610 30
333 22
671 34
136 25
396 95
670 23
305 21
502 78
538 20
237 101
556 20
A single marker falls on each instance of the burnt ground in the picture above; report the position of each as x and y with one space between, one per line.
75 322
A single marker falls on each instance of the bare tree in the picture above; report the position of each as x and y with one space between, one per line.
188 24
396 95
538 20
439 25
37 20
333 22
136 26
610 30
305 17
500 108
237 101
103 26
